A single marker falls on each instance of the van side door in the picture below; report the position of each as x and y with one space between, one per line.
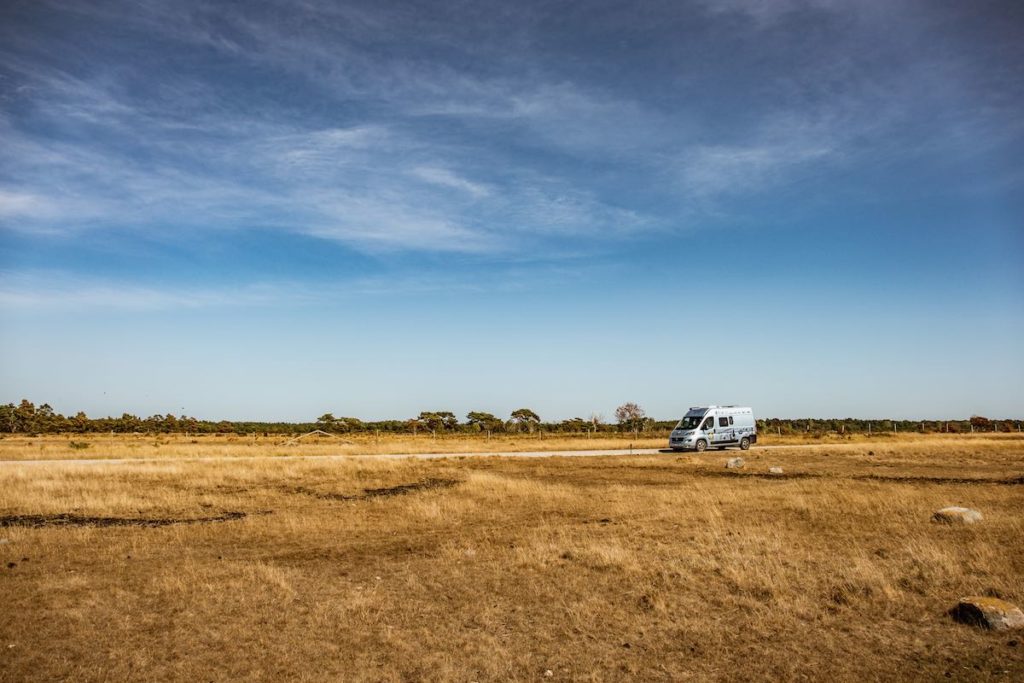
724 431
708 428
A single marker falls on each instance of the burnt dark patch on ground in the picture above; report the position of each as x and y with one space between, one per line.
402 489
1011 481
604 521
71 520
385 492
908 479
732 474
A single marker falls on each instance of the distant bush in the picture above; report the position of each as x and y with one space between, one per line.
78 445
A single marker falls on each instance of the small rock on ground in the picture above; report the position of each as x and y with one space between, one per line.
957 515
991 613
774 470
734 463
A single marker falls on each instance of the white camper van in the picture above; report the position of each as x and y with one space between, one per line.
714 427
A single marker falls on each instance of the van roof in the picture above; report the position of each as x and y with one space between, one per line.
716 407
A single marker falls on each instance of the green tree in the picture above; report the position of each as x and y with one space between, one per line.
439 420
8 418
348 424
483 421
46 420
25 416
524 417
128 423
576 424
169 424
80 422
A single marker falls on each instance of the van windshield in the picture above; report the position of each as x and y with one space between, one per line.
690 422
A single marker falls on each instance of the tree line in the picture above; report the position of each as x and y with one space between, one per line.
28 418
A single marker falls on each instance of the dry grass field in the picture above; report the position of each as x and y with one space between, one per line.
120 446
158 446
665 567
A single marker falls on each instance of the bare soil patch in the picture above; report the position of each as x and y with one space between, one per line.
72 520
732 474
1011 481
383 492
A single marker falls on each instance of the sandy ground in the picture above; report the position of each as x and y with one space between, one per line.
100 460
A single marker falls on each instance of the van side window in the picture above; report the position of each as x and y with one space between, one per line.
723 422
708 423
730 420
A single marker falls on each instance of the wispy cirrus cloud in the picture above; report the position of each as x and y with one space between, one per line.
47 290
127 165
14 204
448 144
766 12
720 170
50 290
445 178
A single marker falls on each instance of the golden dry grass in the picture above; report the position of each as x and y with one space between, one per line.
157 446
64 446
653 568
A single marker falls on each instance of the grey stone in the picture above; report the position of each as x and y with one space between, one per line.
774 470
734 463
957 515
991 613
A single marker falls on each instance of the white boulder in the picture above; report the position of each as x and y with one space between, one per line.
992 613
957 515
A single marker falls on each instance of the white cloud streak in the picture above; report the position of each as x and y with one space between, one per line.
371 186
445 178
439 158
62 291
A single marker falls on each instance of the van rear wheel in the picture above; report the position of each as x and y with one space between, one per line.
702 445
745 444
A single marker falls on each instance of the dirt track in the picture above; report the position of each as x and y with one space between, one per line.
374 456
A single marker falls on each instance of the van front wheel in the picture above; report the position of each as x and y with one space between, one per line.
744 444
702 445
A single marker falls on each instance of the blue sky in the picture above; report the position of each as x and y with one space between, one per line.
271 210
